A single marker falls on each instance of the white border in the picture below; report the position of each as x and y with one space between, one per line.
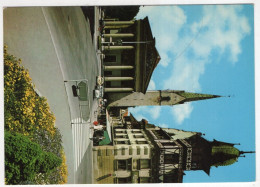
15 3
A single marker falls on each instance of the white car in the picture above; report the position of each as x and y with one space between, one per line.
99 92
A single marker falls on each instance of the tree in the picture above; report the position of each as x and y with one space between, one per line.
24 159
123 13
29 114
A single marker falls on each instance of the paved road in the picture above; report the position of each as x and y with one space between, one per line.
55 45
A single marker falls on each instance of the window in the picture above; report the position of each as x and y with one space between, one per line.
136 131
141 142
124 164
145 163
145 150
144 180
120 131
130 151
138 150
123 151
139 136
171 158
124 180
115 151
121 164
121 136
122 142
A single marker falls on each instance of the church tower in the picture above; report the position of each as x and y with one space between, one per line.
155 98
179 151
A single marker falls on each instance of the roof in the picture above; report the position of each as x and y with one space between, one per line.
224 155
196 96
148 55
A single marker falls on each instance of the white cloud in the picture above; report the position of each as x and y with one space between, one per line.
137 112
151 85
139 117
154 112
145 112
163 125
187 47
159 17
181 112
222 28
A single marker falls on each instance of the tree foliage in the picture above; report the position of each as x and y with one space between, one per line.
123 13
24 159
29 114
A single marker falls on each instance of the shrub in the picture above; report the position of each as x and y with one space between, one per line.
29 114
24 159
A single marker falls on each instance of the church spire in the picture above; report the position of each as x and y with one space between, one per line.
223 154
155 97
196 96
243 152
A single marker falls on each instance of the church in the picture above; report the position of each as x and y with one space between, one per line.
141 152
130 55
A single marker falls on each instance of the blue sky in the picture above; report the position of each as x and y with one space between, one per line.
207 49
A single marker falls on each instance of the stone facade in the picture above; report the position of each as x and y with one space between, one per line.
155 97
144 153
130 56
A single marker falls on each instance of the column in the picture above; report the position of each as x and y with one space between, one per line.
118 67
119 78
119 35
118 47
119 23
116 26
118 89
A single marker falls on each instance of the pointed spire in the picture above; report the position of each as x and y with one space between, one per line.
196 96
243 152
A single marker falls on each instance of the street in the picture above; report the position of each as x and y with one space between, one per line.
55 45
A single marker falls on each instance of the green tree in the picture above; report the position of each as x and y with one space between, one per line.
29 114
123 13
24 159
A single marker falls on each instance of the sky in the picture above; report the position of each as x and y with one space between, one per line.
207 49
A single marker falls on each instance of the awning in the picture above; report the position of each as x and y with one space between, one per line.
105 141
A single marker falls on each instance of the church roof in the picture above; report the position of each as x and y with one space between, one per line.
179 134
148 56
196 96
223 155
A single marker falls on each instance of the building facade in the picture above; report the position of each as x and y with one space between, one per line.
144 153
130 55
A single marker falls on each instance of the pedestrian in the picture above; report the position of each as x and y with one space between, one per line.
99 127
